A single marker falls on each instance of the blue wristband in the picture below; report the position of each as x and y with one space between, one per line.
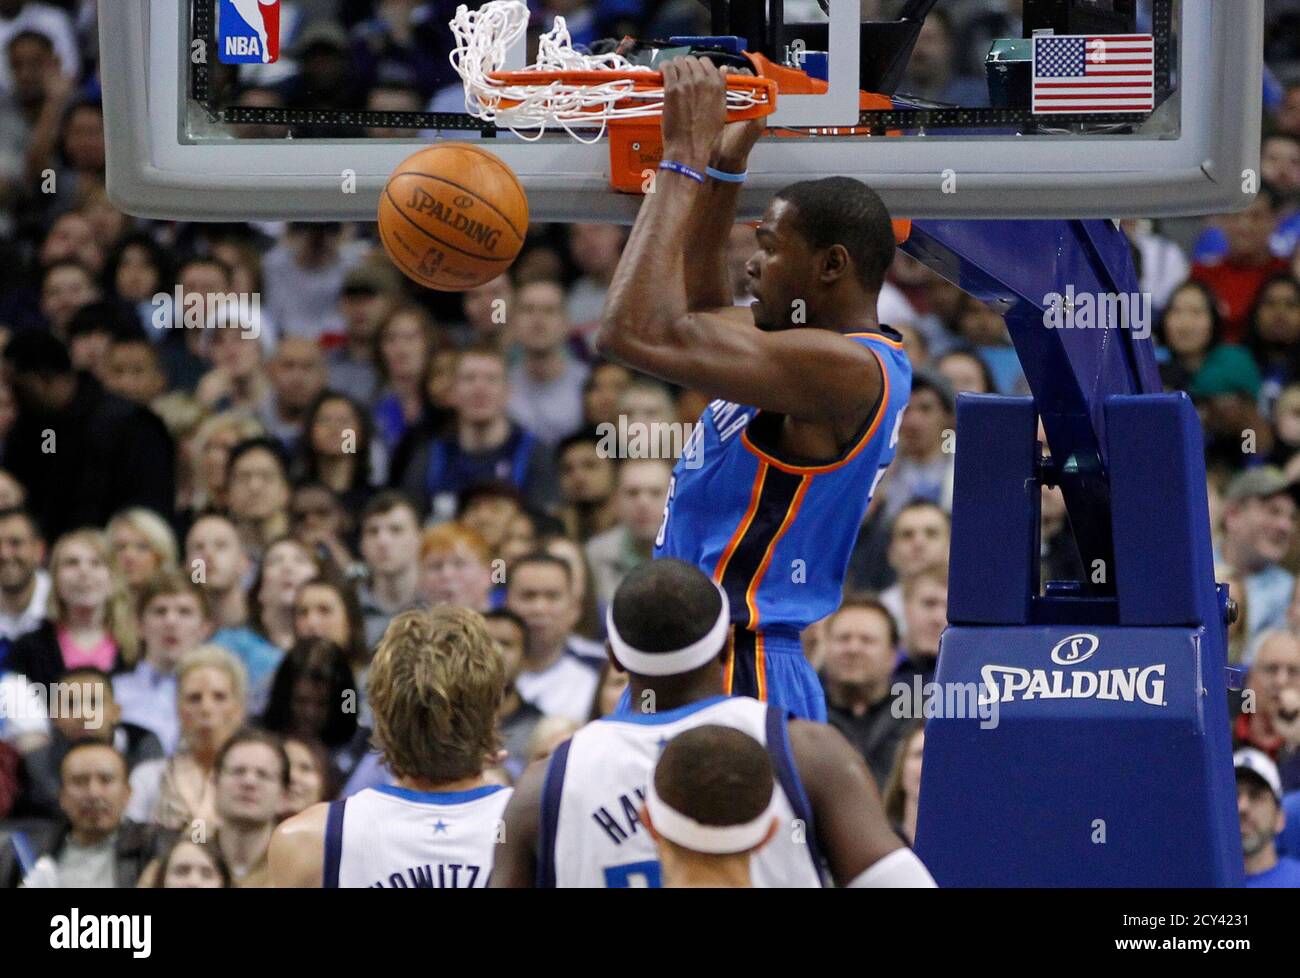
727 177
683 169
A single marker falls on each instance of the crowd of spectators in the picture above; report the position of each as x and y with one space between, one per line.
204 532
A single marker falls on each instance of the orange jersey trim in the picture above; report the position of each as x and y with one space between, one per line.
832 466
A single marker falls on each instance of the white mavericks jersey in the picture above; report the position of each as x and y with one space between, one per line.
396 837
591 832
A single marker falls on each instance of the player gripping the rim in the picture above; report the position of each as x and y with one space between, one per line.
808 386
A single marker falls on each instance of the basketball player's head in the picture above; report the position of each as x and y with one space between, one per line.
668 627
435 685
822 244
708 806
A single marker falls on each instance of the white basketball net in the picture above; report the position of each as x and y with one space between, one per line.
483 38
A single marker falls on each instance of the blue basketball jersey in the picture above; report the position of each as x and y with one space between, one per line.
776 533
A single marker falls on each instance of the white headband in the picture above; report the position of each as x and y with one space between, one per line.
716 840
670 663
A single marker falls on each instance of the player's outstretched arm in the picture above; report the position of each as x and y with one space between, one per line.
809 374
850 822
515 864
297 851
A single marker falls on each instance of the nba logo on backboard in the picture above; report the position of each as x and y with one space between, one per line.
248 31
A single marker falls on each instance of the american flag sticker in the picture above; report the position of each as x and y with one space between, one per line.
1094 73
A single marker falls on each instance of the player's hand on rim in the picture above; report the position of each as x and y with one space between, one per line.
731 154
695 110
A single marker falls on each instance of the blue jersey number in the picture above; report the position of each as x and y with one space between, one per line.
641 875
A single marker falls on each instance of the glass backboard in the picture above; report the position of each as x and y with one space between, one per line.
1031 129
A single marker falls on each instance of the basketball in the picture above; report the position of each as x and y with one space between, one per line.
452 217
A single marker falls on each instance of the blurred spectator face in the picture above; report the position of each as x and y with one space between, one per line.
479 391
520 538
1051 511
204 277
89 352
207 706
93 792
1249 232
258 489
249 785
964 372
1286 416
363 310
442 375
318 612
234 352
487 306
742 242
297 373
919 538
334 420
83 138
542 596
81 577
286 567
11 492
1278 318
510 641
309 704
585 475
316 515
1275 676
137 276
944 299
610 691
1279 163
926 611
131 370
490 517
1189 325
21 552
646 404
912 766
1260 530
920 435
1259 814
605 387
30 62
455 576
858 650
133 555
190 868
306 786
914 345
215 542
932 58
596 248
393 100
390 542
259 98
96 713
642 488
404 348
170 626
981 326
540 322
66 290
72 238
573 555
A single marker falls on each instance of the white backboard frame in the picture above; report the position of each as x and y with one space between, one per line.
155 171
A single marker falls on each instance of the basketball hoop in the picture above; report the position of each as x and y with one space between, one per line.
583 94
